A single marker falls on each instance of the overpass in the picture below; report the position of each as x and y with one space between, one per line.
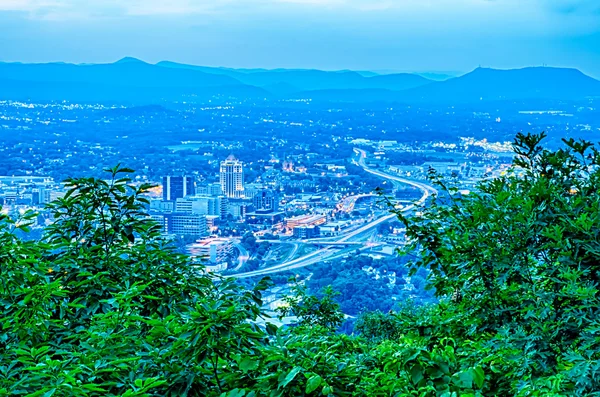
314 242
348 204
426 189
326 253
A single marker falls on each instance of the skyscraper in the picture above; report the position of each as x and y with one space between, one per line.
232 177
175 187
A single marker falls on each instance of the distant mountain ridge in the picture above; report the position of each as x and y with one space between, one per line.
310 79
131 79
512 84
128 79
482 84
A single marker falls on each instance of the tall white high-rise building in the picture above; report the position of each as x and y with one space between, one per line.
232 177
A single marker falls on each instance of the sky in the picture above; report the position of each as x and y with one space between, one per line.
391 35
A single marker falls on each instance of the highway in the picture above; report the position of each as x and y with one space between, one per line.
313 242
244 255
292 253
328 253
347 205
427 190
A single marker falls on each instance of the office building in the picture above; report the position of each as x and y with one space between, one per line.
266 200
162 206
192 205
162 221
211 221
203 205
175 187
182 224
232 177
305 232
39 195
213 250
188 225
212 189
223 207
238 209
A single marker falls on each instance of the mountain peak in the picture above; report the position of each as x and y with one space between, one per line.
130 60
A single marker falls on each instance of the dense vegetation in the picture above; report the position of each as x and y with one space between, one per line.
102 306
366 284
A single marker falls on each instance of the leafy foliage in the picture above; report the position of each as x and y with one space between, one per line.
102 305
516 263
367 284
312 311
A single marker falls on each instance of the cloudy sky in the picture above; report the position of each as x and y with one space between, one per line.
401 35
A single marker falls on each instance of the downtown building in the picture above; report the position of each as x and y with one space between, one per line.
182 224
232 178
211 189
266 200
203 205
175 187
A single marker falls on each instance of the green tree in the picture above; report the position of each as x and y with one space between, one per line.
103 306
312 310
515 264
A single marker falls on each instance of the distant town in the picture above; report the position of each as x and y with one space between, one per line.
301 188
283 216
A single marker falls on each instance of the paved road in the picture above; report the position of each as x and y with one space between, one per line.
427 190
312 242
244 255
348 204
292 253
330 253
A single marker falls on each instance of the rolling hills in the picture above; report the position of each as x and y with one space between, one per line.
515 84
305 80
133 80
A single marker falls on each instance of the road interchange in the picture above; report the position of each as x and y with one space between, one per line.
330 252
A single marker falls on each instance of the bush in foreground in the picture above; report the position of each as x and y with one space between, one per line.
103 306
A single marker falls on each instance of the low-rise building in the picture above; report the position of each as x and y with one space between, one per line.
213 250
305 232
305 220
182 224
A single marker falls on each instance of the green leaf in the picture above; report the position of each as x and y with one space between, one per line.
463 379
93 387
248 364
290 376
235 393
478 376
271 329
313 383
416 374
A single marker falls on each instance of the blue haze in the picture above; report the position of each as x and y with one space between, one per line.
407 35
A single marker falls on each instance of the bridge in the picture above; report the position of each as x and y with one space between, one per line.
348 203
327 252
314 242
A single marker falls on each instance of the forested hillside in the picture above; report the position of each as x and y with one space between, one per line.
103 306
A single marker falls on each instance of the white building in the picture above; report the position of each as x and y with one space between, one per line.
232 177
213 250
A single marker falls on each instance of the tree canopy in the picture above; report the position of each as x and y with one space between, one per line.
102 305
